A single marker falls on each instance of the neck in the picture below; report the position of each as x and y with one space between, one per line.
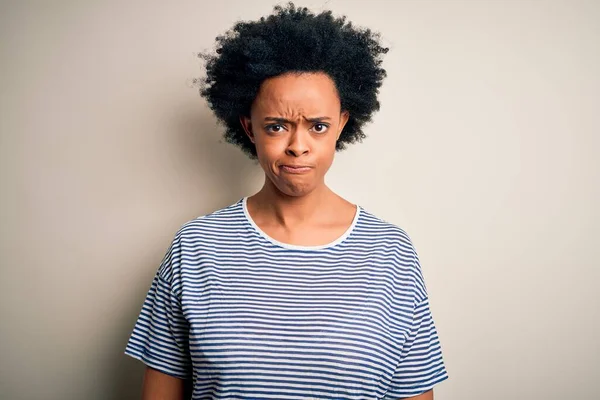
291 211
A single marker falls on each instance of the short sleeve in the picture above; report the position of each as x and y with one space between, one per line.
160 335
421 365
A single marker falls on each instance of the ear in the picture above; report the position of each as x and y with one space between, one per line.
344 116
247 125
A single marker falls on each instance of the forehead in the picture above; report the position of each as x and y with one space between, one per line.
309 93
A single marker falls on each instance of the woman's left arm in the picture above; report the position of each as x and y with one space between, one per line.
428 395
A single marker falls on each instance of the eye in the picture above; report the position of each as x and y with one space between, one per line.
274 128
320 128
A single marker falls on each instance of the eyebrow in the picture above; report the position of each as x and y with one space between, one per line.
283 120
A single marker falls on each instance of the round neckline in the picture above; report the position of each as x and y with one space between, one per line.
296 246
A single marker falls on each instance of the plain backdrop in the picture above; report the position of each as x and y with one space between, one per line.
485 151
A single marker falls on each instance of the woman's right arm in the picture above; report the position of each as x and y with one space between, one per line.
160 386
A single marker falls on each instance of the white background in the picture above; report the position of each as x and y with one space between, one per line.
485 151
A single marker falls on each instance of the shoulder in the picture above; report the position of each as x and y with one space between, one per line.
396 250
385 232
219 222
202 235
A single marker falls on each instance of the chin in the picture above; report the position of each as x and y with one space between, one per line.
297 190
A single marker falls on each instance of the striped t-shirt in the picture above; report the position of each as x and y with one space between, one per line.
248 317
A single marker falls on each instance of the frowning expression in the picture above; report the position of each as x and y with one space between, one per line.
295 121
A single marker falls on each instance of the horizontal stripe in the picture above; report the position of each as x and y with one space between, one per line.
249 317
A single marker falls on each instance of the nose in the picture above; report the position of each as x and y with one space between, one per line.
298 144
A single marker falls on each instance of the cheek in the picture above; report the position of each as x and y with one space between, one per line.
268 153
326 156
271 149
327 159
331 144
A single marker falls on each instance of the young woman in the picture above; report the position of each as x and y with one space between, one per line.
293 292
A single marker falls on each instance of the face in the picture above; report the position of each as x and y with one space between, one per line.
294 123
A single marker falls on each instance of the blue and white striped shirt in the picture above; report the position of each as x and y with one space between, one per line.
248 317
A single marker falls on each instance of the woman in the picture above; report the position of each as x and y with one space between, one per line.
294 292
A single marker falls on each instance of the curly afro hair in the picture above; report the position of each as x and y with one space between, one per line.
293 40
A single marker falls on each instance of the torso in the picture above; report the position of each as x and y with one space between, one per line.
266 319
269 319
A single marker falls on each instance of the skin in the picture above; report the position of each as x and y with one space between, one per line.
295 119
160 386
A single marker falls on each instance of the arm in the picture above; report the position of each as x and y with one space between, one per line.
420 365
160 386
160 335
428 395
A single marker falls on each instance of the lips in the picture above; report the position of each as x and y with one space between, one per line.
295 169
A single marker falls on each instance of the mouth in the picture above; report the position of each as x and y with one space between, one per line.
295 169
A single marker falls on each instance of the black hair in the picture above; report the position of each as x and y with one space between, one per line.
293 39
